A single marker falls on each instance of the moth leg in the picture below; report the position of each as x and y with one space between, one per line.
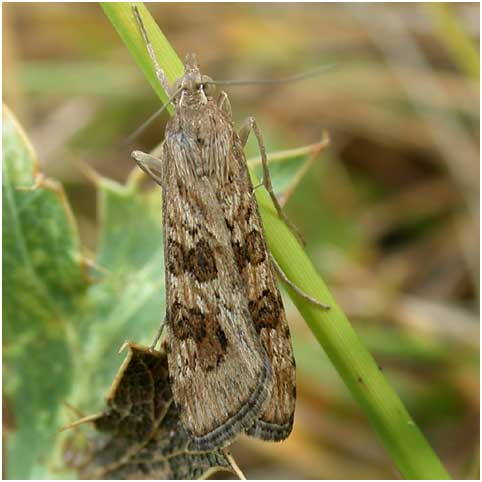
224 105
295 288
152 347
151 165
251 125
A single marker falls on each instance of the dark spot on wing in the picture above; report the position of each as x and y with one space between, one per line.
245 209
230 225
204 330
255 248
187 323
252 250
193 231
198 324
223 342
266 310
175 257
200 262
239 255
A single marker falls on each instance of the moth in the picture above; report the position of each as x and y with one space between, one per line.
230 357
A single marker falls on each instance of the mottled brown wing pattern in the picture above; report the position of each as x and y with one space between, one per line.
265 305
211 338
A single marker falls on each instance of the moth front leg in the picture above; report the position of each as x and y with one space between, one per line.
250 124
152 347
151 165
224 105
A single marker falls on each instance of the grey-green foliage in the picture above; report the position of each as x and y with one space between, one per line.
43 288
62 331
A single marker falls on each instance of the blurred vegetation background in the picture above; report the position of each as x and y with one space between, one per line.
390 212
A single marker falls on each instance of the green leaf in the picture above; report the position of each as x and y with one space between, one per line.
43 285
61 335
120 14
127 301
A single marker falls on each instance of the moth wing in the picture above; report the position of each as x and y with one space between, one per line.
219 370
265 305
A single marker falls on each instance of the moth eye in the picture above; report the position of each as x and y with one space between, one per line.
209 88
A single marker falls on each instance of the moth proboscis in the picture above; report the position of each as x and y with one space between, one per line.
230 356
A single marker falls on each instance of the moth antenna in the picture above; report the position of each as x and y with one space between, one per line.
287 80
150 49
154 116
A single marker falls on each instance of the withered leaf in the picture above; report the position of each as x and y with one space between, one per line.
139 435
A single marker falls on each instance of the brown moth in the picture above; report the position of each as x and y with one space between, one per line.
230 357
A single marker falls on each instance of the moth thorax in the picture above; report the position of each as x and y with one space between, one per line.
192 99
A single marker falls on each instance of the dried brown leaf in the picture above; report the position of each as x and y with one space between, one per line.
139 435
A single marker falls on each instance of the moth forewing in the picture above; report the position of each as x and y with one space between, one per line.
230 356
253 262
219 371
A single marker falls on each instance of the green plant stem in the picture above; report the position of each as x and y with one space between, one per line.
399 434
121 16
451 33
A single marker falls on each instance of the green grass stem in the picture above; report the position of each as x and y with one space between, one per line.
450 31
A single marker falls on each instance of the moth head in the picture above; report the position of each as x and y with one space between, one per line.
192 79
193 83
